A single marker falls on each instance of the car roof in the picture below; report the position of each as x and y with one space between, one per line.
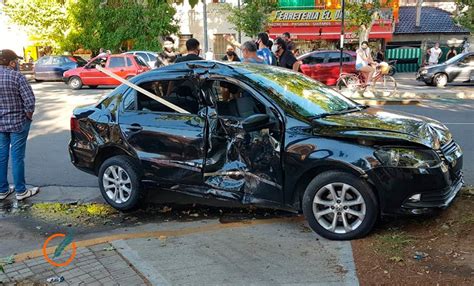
131 52
352 53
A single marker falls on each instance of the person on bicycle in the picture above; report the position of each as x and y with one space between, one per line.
364 61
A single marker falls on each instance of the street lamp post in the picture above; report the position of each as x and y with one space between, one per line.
341 45
204 8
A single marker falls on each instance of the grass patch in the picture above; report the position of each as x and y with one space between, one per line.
63 211
392 243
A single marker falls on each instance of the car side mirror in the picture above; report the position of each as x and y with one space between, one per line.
256 122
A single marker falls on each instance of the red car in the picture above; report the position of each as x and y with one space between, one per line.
323 66
126 66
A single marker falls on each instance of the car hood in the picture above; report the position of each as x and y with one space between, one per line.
379 124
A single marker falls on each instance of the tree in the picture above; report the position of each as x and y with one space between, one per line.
109 24
253 16
45 21
192 3
362 14
464 14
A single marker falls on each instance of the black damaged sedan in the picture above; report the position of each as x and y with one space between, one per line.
265 136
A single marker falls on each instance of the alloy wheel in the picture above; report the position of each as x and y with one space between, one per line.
339 208
117 184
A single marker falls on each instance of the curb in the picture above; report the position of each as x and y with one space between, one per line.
159 234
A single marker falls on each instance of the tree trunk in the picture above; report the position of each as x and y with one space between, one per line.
364 31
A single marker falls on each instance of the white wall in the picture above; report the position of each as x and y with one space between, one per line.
191 21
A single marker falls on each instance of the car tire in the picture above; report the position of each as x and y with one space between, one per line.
120 183
353 217
440 80
75 82
93 86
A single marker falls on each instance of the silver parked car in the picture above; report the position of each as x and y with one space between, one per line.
147 56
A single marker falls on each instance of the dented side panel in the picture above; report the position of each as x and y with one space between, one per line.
245 165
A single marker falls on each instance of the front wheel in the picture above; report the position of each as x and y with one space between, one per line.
392 71
350 82
340 206
440 80
119 182
75 82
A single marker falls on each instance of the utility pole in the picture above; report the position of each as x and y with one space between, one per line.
341 45
204 11
240 32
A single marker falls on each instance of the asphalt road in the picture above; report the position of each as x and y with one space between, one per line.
48 159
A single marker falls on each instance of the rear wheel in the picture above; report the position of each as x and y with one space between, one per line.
75 82
340 206
119 182
386 85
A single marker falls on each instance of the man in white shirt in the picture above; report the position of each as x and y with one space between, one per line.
435 54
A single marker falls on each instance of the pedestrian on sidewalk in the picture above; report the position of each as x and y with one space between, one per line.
291 46
435 54
230 55
262 43
249 53
17 104
286 58
451 54
168 55
194 50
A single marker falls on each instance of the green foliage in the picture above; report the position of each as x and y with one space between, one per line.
465 14
45 21
109 26
67 25
253 16
180 2
363 13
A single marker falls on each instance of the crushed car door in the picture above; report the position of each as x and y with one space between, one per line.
242 165
169 144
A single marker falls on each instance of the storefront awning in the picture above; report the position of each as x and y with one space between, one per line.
328 32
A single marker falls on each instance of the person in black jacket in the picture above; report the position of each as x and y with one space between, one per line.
231 56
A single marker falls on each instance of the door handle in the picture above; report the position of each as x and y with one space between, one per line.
135 127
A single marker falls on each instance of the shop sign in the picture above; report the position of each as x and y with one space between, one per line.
316 17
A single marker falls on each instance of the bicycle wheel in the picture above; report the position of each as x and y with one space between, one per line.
349 82
386 86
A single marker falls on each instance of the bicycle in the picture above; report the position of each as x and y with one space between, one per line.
381 82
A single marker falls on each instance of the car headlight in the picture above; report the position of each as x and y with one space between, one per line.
407 158
423 72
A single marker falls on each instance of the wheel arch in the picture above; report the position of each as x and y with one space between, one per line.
305 178
107 152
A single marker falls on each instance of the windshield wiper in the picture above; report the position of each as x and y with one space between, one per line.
348 109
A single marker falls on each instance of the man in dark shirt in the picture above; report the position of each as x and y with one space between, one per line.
193 47
286 59
289 43
17 104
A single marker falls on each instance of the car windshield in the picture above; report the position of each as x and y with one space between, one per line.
140 61
299 93
80 61
454 59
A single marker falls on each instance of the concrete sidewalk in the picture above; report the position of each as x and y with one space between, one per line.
257 252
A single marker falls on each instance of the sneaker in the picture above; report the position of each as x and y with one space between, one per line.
7 193
28 193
